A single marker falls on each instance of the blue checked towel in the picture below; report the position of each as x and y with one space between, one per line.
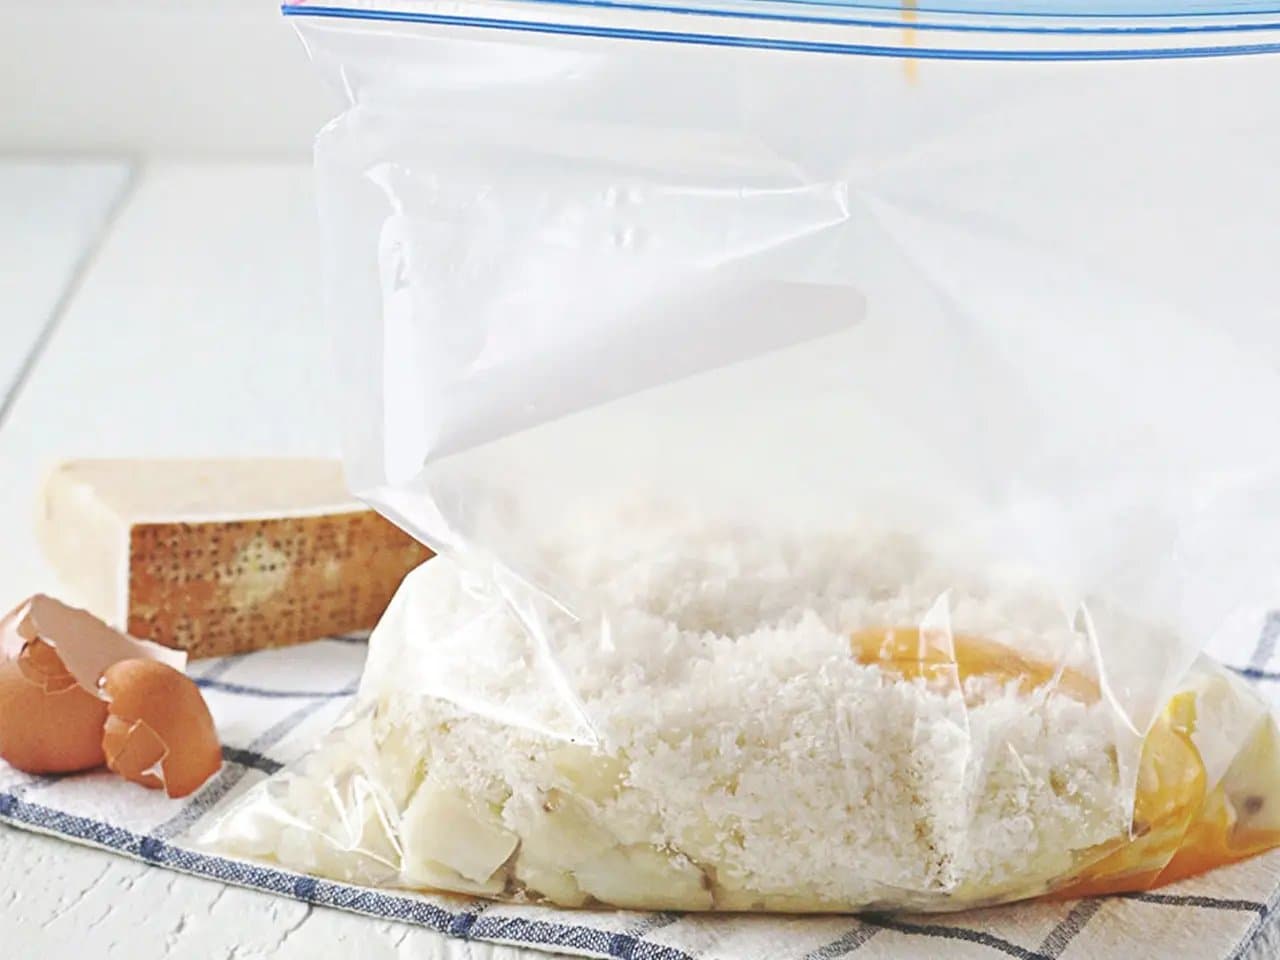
272 706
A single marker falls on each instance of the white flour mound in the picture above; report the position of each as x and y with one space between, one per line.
686 727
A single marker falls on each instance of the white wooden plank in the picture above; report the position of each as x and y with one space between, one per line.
63 901
51 214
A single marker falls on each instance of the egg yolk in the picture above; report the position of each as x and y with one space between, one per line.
1179 827
935 655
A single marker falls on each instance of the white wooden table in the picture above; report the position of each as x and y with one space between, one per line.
159 310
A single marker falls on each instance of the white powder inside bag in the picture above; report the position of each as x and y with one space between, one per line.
686 725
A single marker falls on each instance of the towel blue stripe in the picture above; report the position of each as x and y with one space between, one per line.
1267 640
270 693
1260 927
217 668
1184 900
328 893
944 932
845 944
350 638
252 759
1254 673
1060 937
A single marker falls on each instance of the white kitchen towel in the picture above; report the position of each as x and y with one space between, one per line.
272 706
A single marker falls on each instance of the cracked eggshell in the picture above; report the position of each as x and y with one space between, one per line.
85 645
159 732
48 723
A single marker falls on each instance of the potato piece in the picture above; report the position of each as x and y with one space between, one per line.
596 776
401 765
561 836
556 886
441 828
1252 782
564 834
643 877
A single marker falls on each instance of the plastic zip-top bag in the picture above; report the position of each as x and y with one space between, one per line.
847 436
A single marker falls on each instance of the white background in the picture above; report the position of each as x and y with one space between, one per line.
181 78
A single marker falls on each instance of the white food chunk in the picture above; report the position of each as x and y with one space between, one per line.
640 876
440 827
595 776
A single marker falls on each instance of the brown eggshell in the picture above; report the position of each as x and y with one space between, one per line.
41 664
159 731
134 751
48 723
85 645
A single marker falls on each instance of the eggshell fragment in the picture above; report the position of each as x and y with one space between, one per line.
84 644
158 732
40 664
134 751
48 723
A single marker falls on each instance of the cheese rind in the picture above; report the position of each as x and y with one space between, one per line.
220 557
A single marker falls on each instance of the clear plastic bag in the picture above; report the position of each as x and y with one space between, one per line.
838 463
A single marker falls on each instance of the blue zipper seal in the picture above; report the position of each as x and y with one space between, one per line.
813 46
304 9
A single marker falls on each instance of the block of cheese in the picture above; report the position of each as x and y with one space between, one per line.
221 556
